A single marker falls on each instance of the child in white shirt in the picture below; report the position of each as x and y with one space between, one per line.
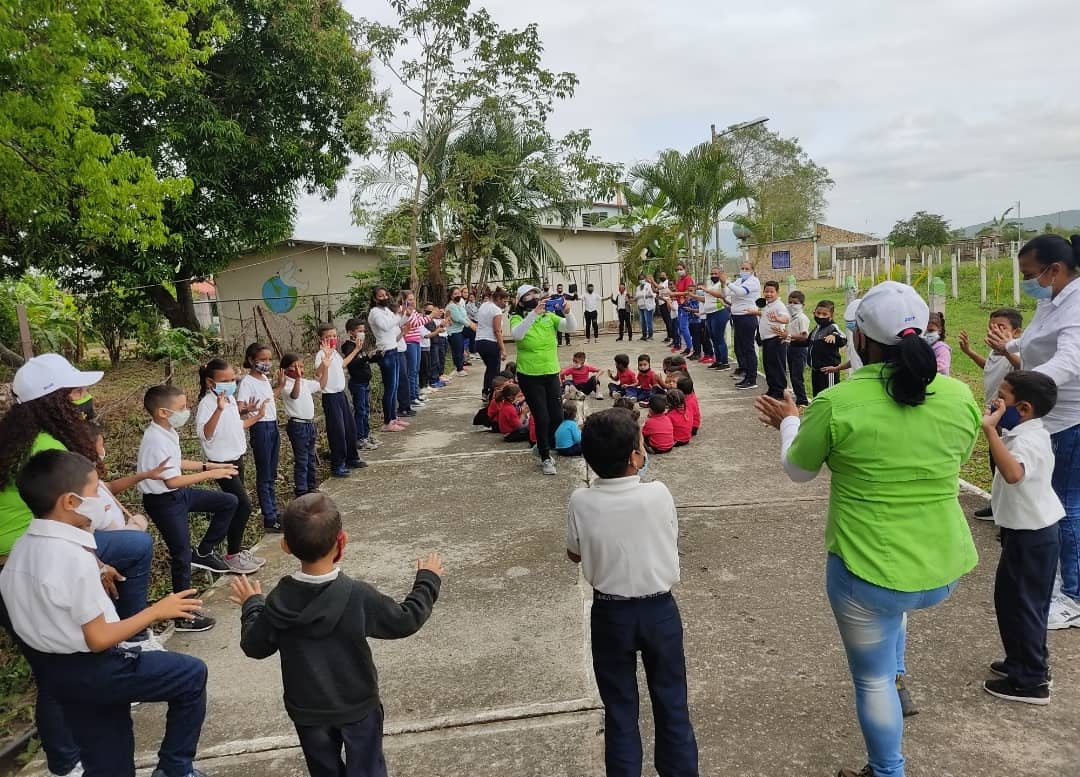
297 396
254 390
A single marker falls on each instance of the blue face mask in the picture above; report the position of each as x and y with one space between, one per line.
1034 289
851 326
225 389
644 467
743 274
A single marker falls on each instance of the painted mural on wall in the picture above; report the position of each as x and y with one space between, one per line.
281 290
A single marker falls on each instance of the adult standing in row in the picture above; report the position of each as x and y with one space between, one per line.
538 367
645 298
1050 266
744 292
591 302
489 337
663 305
459 322
714 296
388 328
621 300
684 289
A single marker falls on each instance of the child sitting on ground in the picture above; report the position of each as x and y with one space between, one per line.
648 382
995 367
319 620
73 638
685 384
657 431
674 368
623 376
581 377
625 535
681 427
935 336
628 404
1027 510
513 415
568 433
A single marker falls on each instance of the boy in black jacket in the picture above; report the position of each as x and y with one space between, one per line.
824 344
319 620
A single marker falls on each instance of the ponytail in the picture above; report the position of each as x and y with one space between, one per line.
207 372
914 367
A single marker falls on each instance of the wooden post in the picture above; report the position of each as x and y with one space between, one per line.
1016 275
815 257
955 277
907 269
982 274
24 332
269 334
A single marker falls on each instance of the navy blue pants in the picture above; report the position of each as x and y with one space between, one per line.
302 435
266 445
234 538
796 363
362 742
95 692
340 430
388 368
169 512
489 352
774 358
716 324
746 327
361 403
404 396
1022 590
457 350
652 627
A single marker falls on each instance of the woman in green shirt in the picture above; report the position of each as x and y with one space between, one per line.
894 437
538 365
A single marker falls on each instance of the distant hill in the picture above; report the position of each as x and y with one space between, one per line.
1066 218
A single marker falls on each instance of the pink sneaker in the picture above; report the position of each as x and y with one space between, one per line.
707 360
392 427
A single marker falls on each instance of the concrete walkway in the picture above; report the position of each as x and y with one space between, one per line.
498 683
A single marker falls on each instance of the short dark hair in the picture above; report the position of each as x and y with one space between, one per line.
510 390
675 399
49 475
569 410
354 323
607 440
644 357
827 304
796 294
311 524
1015 317
288 360
626 403
157 397
579 355
622 360
772 284
1035 388
685 384
658 403
325 327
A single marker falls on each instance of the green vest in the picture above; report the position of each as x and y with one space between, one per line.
538 350
14 514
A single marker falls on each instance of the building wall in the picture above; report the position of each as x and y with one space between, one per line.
801 252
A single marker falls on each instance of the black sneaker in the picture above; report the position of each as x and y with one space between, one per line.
275 527
686 352
866 771
984 513
1004 689
744 385
201 622
211 562
998 668
692 357
356 464
344 472
907 704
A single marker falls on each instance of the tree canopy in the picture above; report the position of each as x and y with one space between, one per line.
922 229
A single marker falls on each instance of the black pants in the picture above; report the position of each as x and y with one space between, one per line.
521 434
169 512
588 387
404 397
425 366
796 363
626 321
669 326
819 381
543 394
362 741
489 352
340 430
653 627
773 354
590 320
1022 591
746 327
698 333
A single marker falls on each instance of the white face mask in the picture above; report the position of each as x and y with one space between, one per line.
795 308
177 418
96 510
932 337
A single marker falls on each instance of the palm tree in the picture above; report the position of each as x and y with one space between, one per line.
657 233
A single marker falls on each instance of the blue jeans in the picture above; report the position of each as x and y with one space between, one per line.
872 620
457 350
266 445
653 627
412 354
302 435
95 692
130 552
489 352
684 337
361 405
389 371
716 325
1066 482
646 317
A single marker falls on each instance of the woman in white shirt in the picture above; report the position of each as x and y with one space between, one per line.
645 298
744 292
388 328
1050 266
489 336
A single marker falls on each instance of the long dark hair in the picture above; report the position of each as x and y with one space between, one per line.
1054 248
206 372
913 368
53 414
251 352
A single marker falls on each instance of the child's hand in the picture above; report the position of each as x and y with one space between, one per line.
830 339
992 415
222 402
109 578
432 563
158 471
261 411
221 471
831 370
965 345
137 522
243 589
175 606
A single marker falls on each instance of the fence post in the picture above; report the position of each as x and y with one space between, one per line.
907 269
792 282
982 274
955 278
937 295
24 332
1016 275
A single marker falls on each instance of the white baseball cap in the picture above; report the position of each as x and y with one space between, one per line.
851 309
49 372
524 289
889 310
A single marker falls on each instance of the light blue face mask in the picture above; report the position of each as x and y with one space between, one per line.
743 274
851 326
1036 290
225 389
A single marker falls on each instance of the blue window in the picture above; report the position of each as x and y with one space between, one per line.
781 260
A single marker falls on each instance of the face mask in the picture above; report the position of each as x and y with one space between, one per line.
331 341
795 308
177 418
1035 290
382 303
744 274
644 467
86 407
225 389
931 337
822 322
263 367
663 278
96 510
641 281
643 369
529 304
851 326
681 273
590 289
457 299
714 278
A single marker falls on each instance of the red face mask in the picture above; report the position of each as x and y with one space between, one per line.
332 342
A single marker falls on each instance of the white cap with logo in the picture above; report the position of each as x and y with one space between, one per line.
889 311
49 372
524 289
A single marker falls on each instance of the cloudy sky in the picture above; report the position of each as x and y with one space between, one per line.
960 107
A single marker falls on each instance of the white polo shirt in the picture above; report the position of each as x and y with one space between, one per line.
744 294
485 321
303 407
335 374
114 514
765 326
1031 503
52 587
1051 345
229 442
159 443
627 534
994 372
256 391
591 301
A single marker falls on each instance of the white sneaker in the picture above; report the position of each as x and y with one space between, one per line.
461 374
597 395
251 558
77 771
1064 613
549 469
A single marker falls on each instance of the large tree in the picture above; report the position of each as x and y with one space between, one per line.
921 230
282 103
